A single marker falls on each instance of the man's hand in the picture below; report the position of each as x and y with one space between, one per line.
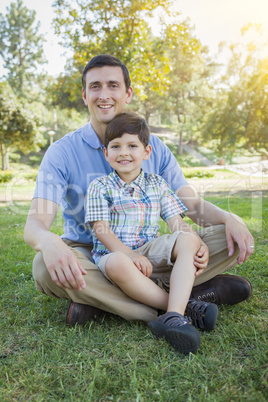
201 259
64 268
142 263
60 261
237 232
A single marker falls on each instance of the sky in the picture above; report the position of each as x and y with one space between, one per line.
214 21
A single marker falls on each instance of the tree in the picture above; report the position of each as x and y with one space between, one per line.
239 116
18 126
190 69
20 46
121 28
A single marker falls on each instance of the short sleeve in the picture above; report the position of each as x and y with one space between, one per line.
52 178
97 204
171 204
168 166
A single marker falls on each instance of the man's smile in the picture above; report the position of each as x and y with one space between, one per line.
105 106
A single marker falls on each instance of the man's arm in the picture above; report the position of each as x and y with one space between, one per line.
203 213
65 270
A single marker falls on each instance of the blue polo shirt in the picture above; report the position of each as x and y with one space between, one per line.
72 162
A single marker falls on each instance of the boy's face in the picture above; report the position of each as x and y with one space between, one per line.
125 155
105 94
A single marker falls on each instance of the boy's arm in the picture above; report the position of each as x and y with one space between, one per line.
108 238
202 256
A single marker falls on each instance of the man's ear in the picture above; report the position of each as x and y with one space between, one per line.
84 96
129 95
105 153
147 152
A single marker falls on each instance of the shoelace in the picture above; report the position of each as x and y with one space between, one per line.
175 320
209 297
197 311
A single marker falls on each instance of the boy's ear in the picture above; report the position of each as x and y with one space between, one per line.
147 153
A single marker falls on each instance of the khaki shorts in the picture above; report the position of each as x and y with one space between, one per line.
158 251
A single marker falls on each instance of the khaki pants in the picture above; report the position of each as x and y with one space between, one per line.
101 293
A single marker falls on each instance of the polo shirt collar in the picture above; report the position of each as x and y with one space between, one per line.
89 135
119 183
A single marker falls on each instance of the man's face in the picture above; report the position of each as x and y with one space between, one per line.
105 94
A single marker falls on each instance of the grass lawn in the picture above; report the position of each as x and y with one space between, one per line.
43 360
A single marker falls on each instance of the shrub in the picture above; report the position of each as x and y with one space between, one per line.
30 176
197 173
5 176
14 157
35 159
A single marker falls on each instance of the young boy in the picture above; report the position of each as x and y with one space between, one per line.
124 210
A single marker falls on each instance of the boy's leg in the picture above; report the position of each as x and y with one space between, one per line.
172 325
219 261
183 271
225 289
123 272
99 292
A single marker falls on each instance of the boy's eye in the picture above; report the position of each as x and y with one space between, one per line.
114 146
133 146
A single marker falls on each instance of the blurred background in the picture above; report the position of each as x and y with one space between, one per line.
199 71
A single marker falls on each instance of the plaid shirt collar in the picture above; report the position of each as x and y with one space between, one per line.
119 183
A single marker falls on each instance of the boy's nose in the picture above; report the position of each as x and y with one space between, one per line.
123 151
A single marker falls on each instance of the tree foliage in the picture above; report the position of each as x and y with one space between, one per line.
239 116
19 128
21 46
120 28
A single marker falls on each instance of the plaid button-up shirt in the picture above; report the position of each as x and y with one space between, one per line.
133 210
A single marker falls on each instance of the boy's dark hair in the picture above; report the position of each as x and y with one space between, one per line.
106 60
127 123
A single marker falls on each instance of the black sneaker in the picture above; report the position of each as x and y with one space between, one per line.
178 331
203 315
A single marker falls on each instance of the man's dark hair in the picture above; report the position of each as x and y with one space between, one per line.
127 123
106 60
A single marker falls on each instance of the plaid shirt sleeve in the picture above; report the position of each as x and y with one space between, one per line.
171 204
97 205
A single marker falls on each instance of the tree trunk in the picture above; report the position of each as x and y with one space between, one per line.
147 116
7 159
3 157
181 144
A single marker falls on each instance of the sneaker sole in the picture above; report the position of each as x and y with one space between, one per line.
185 339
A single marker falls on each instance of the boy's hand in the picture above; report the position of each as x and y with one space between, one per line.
142 263
201 259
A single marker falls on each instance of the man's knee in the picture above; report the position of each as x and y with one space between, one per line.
43 281
40 271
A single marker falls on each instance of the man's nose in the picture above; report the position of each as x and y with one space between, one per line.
104 94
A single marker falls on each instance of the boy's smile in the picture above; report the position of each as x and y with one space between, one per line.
126 154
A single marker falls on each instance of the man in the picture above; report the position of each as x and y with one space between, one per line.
63 267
